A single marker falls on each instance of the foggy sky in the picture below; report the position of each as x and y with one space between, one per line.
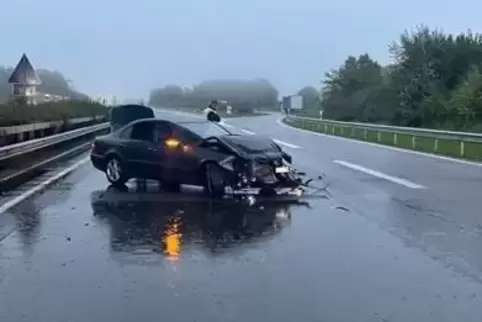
126 47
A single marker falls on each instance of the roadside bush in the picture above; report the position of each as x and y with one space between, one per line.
435 81
16 113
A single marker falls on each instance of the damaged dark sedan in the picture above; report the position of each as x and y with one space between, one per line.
194 153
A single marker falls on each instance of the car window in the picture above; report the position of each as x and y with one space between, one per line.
186 135
143 131
162 131
125 133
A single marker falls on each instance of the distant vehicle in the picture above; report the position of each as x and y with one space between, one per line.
194 153
291 103
122 115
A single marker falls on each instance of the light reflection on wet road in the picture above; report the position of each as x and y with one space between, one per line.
82 254
368 251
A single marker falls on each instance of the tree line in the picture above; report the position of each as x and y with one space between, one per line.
53 82
435 81
243 95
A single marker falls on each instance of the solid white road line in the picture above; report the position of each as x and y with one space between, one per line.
286 144
248 132
377 145
38 188
380 175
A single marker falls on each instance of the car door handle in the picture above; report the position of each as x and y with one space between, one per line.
152 149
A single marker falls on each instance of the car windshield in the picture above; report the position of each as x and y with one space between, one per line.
206 129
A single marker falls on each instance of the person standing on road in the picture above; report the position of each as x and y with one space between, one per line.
211 113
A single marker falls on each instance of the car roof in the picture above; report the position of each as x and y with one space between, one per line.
151 120
154 120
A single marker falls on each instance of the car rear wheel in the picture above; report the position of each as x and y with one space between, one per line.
214 180
115 171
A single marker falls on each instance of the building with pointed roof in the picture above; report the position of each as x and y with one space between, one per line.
24 80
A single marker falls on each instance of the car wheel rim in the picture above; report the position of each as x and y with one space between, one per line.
113 170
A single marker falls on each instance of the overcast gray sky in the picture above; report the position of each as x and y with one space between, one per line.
127 47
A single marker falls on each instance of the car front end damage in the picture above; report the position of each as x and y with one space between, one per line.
262 175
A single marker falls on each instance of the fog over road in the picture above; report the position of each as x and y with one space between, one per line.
395 238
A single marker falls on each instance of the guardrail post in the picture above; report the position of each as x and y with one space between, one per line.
333 130
342 130
326 128
395 138
435 145
365 133
352 134
462 148
379 136
414 141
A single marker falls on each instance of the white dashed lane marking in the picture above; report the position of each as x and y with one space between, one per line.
399 181
286 144
248 132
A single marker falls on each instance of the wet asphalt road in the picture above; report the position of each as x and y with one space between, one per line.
367 250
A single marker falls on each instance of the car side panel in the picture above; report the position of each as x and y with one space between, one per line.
143 159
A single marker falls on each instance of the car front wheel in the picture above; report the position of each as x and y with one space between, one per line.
214 180
115 171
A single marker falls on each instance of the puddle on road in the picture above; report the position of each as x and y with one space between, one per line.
152 222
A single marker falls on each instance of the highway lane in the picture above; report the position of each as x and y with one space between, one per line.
82 252
431 203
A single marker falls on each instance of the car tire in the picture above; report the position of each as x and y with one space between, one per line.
115 171
214 180
170 186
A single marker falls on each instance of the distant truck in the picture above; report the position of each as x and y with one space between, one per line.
292 102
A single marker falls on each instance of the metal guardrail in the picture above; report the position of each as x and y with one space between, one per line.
400 129
451 143
8 130
14 150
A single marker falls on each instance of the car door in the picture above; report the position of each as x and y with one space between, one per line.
170 155
142 152
186 160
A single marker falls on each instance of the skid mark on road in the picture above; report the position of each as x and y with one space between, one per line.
399 181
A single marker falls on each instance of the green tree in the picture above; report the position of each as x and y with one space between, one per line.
311 99
350 92
53 82
434 82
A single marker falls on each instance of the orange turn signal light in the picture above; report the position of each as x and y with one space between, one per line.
172 143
